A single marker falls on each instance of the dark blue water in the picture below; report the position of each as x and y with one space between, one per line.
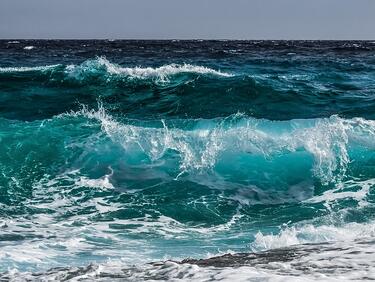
127 152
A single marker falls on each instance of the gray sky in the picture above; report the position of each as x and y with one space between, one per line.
184 19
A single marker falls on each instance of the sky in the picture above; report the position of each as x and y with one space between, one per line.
187 19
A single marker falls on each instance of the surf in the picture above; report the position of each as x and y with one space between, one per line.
213 158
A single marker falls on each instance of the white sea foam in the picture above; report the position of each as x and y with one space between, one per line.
161 73
339 193
333 262
103 67
29 47
26 69
56 242
326 140
200 146
308 233
102 182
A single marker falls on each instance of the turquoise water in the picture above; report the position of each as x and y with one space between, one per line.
145 151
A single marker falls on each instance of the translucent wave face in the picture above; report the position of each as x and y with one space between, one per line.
284 157
207 144
85 181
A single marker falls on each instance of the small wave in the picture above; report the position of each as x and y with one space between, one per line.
13 42
27 69
159 73
102 64
29 47
307 234
104 70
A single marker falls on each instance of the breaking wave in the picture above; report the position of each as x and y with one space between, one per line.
119 172
202 161
204 144
101 67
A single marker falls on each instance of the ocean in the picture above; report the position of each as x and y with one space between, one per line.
194 160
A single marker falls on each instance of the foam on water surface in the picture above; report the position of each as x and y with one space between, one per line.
187 160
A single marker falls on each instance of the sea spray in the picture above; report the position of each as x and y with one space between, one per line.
201 160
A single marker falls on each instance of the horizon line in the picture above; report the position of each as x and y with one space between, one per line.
183 39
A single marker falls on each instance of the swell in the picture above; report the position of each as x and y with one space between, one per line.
238 150
182 90
200 143
101 68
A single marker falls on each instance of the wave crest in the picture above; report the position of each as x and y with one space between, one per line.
207 143
159 73
10 70
101 67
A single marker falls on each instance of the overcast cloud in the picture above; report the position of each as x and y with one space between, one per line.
205 19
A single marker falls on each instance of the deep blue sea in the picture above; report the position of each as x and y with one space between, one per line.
187 160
